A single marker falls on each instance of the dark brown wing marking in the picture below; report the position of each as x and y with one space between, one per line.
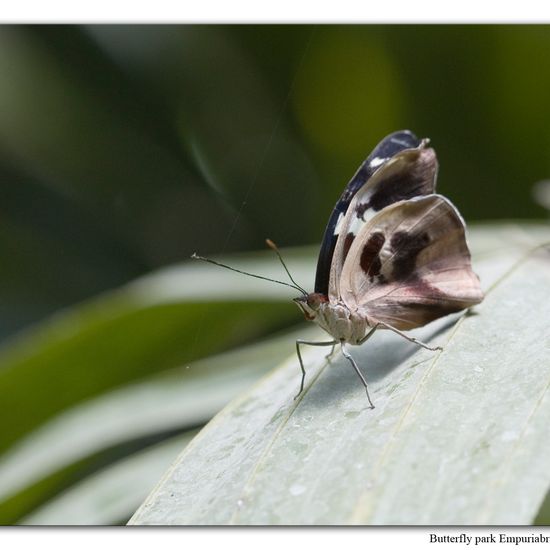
348 242
401 186
370 256
406 248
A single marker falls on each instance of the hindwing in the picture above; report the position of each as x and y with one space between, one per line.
410 265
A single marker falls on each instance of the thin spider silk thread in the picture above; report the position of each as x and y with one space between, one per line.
254 181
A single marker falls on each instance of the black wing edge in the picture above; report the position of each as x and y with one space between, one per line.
384 151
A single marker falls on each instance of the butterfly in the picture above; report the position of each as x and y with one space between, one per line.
394 254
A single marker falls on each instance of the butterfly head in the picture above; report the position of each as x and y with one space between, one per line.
310 304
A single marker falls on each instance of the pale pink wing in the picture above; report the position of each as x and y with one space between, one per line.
410 265
408 174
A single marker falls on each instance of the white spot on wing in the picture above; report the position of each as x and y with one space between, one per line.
338 227
355 225
376 161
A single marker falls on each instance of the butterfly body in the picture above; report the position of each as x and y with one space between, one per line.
335 318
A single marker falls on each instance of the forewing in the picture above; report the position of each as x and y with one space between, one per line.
410 265
381 154
409 173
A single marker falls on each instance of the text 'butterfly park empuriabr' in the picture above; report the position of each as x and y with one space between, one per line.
394 255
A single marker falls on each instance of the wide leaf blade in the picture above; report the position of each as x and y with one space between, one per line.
457 437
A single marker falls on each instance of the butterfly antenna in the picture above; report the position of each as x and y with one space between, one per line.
273 246
195 256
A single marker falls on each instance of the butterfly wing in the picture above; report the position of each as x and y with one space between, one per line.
410 265
382 153
409 173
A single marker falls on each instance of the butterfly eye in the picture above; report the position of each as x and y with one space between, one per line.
315 299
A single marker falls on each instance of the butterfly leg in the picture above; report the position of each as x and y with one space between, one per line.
368 335
329 354
346 354
298 342
410 338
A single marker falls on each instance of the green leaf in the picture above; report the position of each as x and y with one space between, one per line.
112 374
157 323
457 437
112 494
162 404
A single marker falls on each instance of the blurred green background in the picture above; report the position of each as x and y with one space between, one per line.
124 149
